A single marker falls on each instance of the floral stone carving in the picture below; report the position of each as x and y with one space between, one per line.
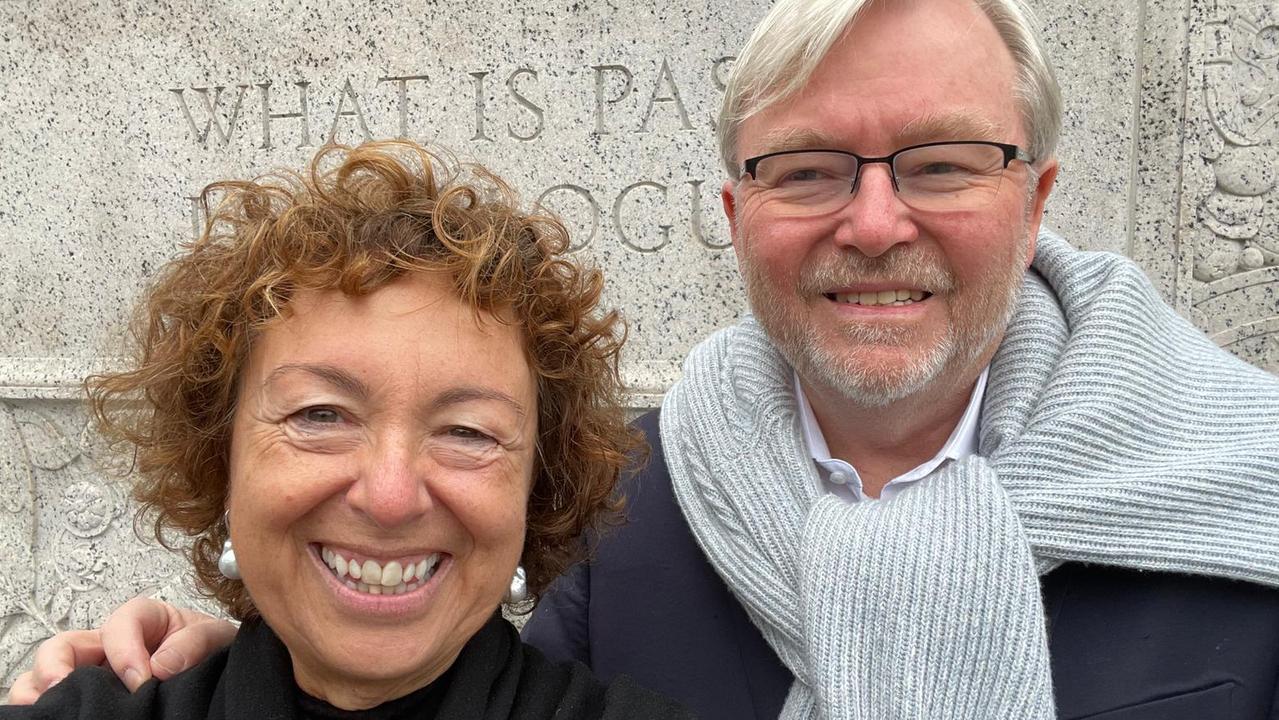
1239 216
1235 191
70 553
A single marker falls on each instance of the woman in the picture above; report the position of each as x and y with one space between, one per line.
380 400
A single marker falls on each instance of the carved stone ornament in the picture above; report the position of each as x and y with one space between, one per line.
69 551
1236 229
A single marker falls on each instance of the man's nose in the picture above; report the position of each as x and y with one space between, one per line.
392 488
875 219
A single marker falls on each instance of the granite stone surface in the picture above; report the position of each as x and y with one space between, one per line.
114 114
1228 239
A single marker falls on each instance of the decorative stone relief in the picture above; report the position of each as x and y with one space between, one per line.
1235 230
64 526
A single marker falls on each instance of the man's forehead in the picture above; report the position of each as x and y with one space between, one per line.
955 124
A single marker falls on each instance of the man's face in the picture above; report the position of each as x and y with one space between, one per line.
909 72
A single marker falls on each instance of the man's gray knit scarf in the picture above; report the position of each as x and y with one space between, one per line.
1113 432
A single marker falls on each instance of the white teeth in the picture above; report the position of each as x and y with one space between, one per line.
370 576
371 573
891 298
392 574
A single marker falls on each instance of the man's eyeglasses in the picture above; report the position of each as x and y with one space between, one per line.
961 175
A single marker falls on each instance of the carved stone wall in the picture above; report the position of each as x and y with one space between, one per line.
66 531
1230 219
116 114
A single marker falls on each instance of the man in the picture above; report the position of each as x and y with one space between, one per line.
923 481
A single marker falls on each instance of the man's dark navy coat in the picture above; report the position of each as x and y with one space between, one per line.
1125 645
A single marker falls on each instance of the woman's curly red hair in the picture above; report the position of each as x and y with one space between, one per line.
355 220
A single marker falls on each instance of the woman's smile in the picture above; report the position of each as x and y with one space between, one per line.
375 599
379 577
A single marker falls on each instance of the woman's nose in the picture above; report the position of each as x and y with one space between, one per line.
391 489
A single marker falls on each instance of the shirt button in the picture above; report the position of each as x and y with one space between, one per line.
839 477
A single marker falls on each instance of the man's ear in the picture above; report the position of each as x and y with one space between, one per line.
1047 179
728 199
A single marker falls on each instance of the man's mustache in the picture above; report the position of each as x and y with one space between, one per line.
907 268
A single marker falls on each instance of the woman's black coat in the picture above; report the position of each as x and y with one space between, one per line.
495 677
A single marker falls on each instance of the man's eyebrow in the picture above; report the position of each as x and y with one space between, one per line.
337 377
950 126
471 393
934 126
788 138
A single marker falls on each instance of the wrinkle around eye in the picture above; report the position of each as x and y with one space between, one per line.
468 447
339 434
466 456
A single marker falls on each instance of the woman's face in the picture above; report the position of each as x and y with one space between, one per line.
384 436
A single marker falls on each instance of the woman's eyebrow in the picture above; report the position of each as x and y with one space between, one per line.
470 393
335 376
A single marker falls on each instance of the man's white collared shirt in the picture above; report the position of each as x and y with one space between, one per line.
841 478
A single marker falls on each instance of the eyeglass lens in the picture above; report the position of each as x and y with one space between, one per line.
934 177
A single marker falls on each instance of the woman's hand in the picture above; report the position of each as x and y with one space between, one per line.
180 638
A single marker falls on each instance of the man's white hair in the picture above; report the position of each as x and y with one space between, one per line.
796 35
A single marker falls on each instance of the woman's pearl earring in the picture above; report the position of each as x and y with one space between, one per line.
518 592
227 565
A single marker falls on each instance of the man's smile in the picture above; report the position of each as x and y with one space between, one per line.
899 297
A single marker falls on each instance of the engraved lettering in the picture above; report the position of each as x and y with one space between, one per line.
720 71
1220 44
592 208
268 116
719 75
665 76
521 99
211 110
402 94
617 218
197 215
479 105
629 85
695 216
356 112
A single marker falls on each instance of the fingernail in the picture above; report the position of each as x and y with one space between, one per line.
168 660
55 681
132 679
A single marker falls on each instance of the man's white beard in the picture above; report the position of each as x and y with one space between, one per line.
974 327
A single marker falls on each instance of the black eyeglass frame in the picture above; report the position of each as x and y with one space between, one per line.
1011 152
